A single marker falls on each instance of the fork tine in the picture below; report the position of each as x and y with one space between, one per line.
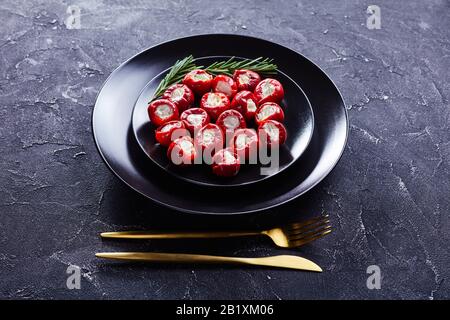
302 242
298 225
309 233
308 228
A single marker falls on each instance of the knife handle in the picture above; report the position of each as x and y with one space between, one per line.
168 257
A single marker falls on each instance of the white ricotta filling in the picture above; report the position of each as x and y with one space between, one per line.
251 106
244 79
186 146
231 122
272 131
195 119
201 77
164 111
223 86
228 157
168 127
266 111
177 94
213 100
267 89
242 140
208 136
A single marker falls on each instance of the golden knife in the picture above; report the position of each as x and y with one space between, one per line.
282 261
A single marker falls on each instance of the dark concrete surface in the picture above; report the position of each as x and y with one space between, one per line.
388 197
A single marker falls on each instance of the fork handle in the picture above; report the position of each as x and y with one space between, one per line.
176 235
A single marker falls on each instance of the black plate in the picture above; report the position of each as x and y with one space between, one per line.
118 147
299 124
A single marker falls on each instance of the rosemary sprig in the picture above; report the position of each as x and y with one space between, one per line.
175 75
260 65
181 67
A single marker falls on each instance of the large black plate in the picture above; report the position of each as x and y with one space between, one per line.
116 143
299 122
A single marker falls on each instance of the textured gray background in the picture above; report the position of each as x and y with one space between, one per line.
388 197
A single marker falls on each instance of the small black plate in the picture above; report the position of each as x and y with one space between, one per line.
299 124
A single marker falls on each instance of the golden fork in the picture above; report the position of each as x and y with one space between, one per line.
289 236
283 261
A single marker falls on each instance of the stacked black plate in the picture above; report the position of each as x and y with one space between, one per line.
315 115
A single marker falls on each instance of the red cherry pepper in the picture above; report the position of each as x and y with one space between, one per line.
181 95
162 111
170 131
208 141
245 143
209 136
269 90
198 80
246 79
269 111
229 121
182 151
215 103
226 163
245 103
272 132
225 85
194 118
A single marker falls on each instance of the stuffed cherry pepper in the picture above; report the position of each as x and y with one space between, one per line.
271 133
229 121
245 103
269 90
209 136
208 141
225 85
269 111
198 80
215 103
194 119
170 131
245 144
181 95
246 79
225 163
182 151
162 111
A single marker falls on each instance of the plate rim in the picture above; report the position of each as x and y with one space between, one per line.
214 185
198 212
